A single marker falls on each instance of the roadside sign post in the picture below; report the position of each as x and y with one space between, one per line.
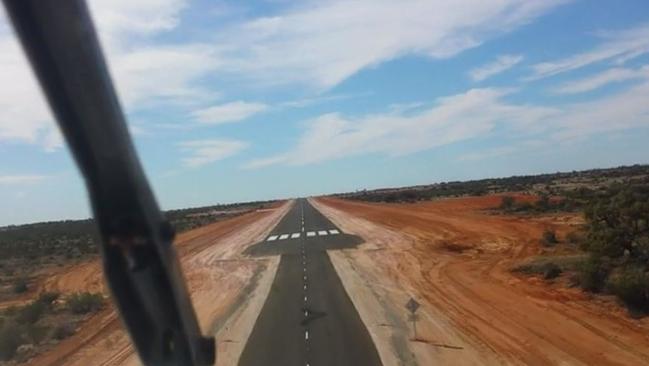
412 306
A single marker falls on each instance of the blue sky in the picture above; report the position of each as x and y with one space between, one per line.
231 101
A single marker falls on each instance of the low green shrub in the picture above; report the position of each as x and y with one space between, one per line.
593 274
62 331
47 298
84 302
551 271
30 313
631 285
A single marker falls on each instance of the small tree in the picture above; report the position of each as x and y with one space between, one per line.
618 223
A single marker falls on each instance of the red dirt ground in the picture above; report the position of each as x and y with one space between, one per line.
455 256
210 256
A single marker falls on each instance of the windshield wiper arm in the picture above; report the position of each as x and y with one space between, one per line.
140 262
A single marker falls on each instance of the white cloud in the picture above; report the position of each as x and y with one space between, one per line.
619 47
317 44
202 152
488 154
323 43
624 110
20 179
145 70
229 112
501 64
452 119
477 113
614 75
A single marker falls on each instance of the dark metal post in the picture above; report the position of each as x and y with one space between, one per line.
139 259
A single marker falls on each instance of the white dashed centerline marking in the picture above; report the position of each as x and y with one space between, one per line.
322 232
334 232
306 335
283 236
272 237
310 233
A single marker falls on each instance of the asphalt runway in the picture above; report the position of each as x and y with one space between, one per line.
308 318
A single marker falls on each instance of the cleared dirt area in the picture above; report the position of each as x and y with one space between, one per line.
454 256
227 290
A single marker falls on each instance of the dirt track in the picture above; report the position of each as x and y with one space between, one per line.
219 280
454 258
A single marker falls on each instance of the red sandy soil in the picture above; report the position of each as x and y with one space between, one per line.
216 272
454 256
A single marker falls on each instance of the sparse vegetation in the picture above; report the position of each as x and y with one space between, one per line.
41 320
30 313
593 273
618 243
10 339
62 331
551 271
20 286
631 285
551 267
84 302
575 188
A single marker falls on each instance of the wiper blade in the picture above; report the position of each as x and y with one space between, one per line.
140 262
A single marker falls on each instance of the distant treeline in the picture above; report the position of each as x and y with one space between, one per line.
555 183
76 238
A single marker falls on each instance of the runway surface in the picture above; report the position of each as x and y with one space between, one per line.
308 318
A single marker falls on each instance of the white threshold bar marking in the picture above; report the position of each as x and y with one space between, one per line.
334 232
283 236
322 232
295 235
272 237
310 233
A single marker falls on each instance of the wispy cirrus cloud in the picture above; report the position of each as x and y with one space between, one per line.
501 64
613 75
203 152
228 112
477 113
320 44
317 44
451 119
617 46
